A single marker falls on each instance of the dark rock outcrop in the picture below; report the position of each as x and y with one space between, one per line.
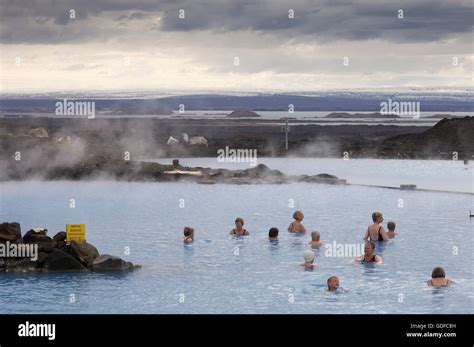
60 244
42 257
61 261
60 236
10 232
108 262
54 254
84 252
32 236
442 140
47 247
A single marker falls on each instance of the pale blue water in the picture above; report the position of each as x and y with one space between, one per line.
208 277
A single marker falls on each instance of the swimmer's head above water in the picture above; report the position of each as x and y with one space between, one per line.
369 255
239 228
377 217
188 233
239 222
273 234
298 215
438 278
438 272
333 283
296 226
369 248
308 256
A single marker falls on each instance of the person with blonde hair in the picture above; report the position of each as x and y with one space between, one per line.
375 231
296 226
239 229
333 284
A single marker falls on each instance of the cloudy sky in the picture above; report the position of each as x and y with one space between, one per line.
260 45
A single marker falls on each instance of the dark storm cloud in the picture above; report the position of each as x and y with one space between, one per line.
47 21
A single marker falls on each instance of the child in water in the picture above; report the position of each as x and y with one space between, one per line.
391 229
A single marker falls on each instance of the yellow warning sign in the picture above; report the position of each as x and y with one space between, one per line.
75 232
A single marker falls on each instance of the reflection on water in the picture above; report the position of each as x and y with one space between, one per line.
273 246
380 246
298 240
188 249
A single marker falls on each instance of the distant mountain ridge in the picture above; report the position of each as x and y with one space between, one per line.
324 101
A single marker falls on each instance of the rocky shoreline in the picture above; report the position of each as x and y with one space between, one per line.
122 170
150 138
53 253
77 149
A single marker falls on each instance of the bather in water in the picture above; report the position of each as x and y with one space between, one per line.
188 235
369 254
438 278
239 229
375 231
315 236
296 226
308 260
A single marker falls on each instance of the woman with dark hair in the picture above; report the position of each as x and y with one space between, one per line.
239 229
438 278
273 234
188 234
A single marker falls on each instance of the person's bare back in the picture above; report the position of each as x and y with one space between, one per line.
296 227
376 232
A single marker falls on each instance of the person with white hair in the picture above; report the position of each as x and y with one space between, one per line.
308 257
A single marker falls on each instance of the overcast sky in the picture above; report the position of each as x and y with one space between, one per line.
234 45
